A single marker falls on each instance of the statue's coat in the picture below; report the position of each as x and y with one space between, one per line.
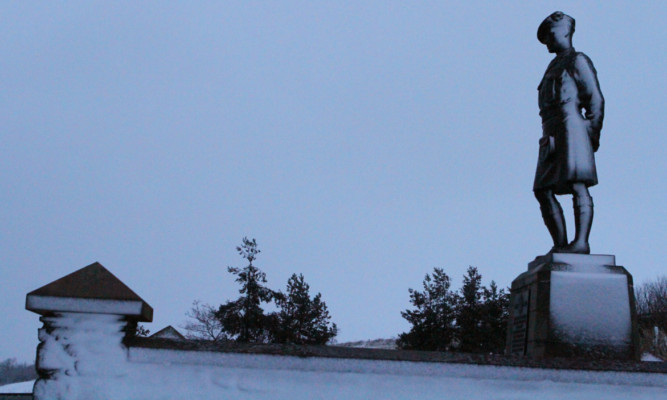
569 139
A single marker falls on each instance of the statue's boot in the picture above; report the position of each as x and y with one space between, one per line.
583 219
555 222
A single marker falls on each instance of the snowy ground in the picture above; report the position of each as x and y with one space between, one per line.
389 344
277 377
20 387
650 357
457 382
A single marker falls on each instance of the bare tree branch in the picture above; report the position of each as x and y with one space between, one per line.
203 325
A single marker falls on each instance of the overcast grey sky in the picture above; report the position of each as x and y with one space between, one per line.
361 143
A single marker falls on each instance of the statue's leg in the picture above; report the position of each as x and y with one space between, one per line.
552 214
583 219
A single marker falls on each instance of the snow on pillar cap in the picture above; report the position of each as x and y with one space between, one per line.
92 289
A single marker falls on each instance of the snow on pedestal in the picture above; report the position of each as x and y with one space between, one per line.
573 305
591 308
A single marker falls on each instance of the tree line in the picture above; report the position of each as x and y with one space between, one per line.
12 371
651 300
300 319
472 319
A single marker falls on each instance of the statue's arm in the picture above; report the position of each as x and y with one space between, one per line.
590 96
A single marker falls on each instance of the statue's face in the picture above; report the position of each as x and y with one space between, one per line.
559 38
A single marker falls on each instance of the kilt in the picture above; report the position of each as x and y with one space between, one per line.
566 155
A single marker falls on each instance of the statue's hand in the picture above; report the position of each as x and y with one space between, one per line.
594 136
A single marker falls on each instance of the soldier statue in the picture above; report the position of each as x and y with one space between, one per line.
572 110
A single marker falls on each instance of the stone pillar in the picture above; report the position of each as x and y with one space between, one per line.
77 346
86 316
573 305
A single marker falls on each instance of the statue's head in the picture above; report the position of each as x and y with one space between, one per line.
556 32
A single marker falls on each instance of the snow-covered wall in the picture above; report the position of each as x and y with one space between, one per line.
168 374
81 357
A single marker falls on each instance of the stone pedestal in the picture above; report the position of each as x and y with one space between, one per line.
573 305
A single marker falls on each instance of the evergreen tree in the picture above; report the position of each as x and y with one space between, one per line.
495 313
432 319
243 319
302 320
469 310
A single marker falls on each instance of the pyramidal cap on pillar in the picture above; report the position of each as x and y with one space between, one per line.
92 289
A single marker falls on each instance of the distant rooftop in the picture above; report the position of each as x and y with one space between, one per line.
168 332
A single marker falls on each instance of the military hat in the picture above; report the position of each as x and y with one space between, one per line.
555 19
